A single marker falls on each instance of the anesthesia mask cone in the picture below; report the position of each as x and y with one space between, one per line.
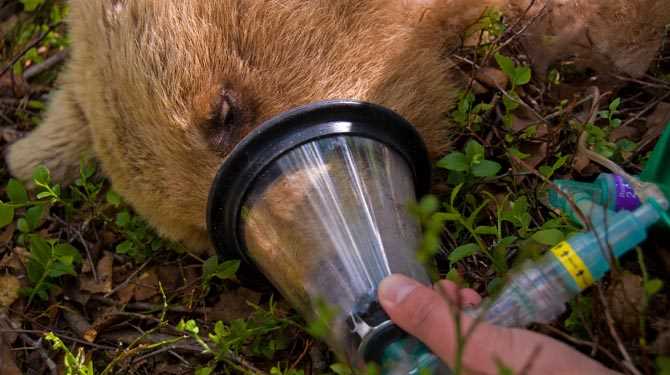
317 199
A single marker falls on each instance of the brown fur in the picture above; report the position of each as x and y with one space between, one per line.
144 88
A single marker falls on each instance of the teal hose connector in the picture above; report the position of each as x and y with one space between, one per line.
540 291
610 191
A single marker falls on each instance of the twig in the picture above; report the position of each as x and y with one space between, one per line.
185 344
628 362
129 279
147 306
76 321
94 271
61 336
646 109
37 345
27 48
593 345
37 69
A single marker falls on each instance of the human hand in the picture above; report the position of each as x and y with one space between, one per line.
425 313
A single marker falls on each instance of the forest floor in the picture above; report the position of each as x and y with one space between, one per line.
78 267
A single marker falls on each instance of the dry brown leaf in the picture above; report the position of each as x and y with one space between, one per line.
233 305
656 123
7 361
624 132
661 345
613 36
105 271
13 86
624 298
9 290
108 317
22 254
169 277
126 293
13 262
7 233
146 286
492 78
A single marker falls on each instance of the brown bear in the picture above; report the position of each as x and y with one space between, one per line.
160 91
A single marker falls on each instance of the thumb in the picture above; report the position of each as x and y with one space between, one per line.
425 314
420 311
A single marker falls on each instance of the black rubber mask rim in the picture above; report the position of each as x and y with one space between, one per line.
292 129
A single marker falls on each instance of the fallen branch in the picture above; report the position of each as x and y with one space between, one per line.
185 343
52 61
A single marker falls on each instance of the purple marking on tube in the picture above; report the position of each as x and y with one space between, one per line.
626 199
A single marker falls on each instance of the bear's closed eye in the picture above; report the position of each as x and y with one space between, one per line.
228 121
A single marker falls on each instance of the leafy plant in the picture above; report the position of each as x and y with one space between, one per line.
31 5
518 76
49 259
223 271
468 113
74 364
276 370
598 136
470 163
663 365
259 335
140 240
580 320
549 170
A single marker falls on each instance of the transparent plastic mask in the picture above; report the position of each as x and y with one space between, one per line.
327 221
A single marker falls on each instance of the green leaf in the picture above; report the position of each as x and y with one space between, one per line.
59 269
517 153
506 65
23 225
429 204
511 102
6 215
486 230
614 105
113 198
454 194
63 250
41 175
341 369
653 286
454 276
31 5
447 216
204 371
189 326
16 191
455 161
546 170
33 216
549 237
663 365
44 194
522 75
123 219
125 247
227 269
463 252
486 168
210 266
40 249
474 151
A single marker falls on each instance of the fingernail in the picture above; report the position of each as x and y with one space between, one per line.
395 288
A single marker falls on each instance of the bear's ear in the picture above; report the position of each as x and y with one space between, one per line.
230 119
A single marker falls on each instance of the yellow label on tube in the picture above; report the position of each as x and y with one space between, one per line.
574 264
